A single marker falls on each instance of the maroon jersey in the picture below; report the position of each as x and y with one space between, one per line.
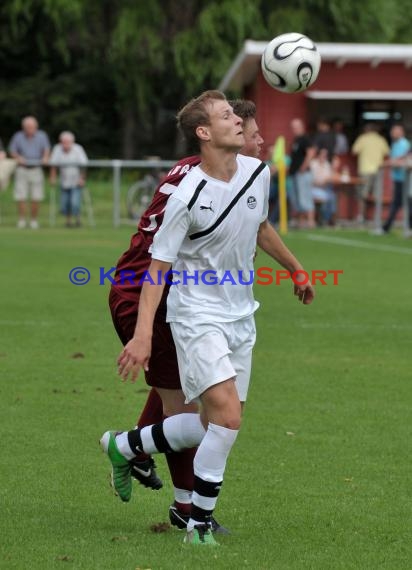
133 264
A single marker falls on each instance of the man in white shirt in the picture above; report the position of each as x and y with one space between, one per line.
72 176
212 223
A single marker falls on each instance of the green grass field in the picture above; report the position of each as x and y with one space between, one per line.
320 475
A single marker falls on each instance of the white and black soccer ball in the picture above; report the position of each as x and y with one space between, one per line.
291 63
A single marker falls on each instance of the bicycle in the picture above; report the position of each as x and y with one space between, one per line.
140 194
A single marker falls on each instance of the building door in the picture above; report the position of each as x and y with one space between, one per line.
382 113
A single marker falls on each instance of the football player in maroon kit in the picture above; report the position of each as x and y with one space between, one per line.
163 375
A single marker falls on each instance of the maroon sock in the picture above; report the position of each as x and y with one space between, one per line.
184 508
181 471
152 413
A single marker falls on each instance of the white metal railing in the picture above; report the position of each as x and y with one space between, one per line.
116 165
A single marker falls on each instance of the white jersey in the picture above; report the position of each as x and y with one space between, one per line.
209 235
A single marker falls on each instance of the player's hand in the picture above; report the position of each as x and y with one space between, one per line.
134 356
305 293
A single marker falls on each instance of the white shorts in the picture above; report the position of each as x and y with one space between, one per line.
29 182
210 353
7 167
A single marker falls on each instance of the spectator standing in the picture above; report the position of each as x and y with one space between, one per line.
371 149
72 177
302 153
325 138
7 167
341 140
26 146
400 147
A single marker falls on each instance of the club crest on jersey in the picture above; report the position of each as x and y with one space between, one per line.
251 202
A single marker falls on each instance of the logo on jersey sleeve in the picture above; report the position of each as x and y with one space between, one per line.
251 202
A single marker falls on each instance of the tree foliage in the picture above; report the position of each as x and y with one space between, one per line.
116 72
204 52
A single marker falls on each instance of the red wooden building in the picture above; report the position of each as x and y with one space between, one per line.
357 83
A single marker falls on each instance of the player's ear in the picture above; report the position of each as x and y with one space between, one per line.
202 133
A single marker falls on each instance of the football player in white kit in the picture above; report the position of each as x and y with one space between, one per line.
212 223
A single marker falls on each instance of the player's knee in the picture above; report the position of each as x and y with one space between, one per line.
232 421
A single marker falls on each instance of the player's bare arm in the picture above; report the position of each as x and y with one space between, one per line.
269 240
136 353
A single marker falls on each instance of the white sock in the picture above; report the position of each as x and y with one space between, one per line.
181 432
182 496
210 460
123 446
209 464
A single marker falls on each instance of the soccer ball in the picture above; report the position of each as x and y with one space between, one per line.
291 63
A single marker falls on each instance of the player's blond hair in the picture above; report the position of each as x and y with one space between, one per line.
196 113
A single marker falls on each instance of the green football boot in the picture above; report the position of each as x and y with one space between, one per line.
202 535
121 469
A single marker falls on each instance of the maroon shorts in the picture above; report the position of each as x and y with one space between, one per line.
163 368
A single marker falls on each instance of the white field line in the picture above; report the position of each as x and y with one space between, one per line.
17 323
355 326
360 244
28 323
